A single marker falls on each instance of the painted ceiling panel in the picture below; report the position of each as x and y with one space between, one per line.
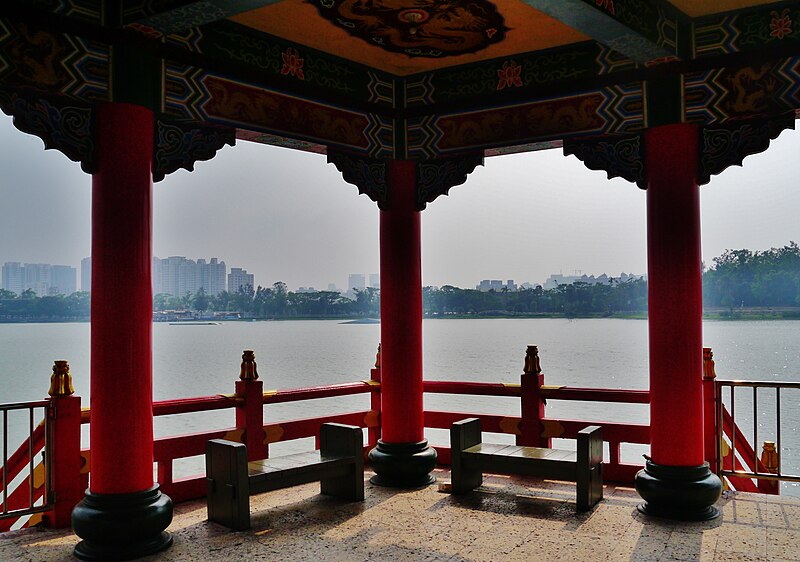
410 36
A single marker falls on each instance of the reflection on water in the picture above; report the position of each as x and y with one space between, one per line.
204 360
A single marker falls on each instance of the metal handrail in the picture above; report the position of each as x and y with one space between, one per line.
18 456
759 470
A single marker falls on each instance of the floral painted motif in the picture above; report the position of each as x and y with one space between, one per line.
292 63
781 25
509 75
607 4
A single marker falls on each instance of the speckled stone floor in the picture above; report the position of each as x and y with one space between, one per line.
506 519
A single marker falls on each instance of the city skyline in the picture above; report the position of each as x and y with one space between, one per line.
290 217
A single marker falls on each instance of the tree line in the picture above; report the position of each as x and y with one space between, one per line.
737 278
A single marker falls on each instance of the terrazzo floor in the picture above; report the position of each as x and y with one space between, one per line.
507 519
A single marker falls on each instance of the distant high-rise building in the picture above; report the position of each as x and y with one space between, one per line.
356 281
211 276
64 280
155 275
86 275
238 278
332 287
375 280
42 278
38 278
13 277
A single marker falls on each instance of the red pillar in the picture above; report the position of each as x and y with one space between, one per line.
122 297
401 309
675 483
675 296
402 457
121 437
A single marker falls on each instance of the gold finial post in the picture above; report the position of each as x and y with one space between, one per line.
532 360
61 380
769 456
708 364
378 358
248 371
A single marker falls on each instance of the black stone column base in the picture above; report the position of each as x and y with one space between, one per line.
122 526
685 493
403 465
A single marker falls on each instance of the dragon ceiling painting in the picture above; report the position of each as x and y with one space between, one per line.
425 28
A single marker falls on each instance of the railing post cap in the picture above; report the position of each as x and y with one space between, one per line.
61 379
532 364
248 370
708 364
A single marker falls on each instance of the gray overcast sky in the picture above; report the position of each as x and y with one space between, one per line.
287 215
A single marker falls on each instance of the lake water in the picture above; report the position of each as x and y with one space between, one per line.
606 353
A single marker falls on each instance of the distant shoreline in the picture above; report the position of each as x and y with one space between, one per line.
722 314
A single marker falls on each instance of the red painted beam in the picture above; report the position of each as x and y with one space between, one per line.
489 423
473 388
328 391
596 394
194 404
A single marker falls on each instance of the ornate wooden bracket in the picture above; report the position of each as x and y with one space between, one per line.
727 145
368 175
619 156
180 145
720 146
66 128
436 177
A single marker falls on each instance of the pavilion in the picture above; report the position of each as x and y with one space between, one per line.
406 98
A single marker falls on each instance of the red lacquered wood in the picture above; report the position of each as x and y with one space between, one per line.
401 309
596 395
618 432
250 417
374 432
490 423
473 388
310 393
195 404
710 423
122 301
675 303
65 461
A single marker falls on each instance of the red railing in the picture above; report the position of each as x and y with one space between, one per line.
535 429
26 483
727 450
532 427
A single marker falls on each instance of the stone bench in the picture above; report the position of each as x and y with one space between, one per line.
470 458
230 480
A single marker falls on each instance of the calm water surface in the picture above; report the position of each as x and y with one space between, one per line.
608 353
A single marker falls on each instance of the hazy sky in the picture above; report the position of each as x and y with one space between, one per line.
287 215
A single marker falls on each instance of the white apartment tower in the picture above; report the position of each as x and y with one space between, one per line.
13 277
239 277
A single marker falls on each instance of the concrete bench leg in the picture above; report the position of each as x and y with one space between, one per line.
590 467
227 486
339 439
463 435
